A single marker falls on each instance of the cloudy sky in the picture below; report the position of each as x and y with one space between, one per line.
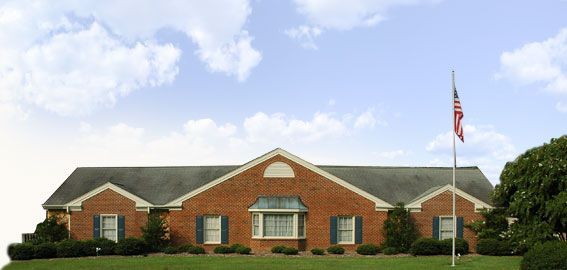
134 83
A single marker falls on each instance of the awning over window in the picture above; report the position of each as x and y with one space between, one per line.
292 203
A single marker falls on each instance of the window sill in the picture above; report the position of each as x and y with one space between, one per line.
277 238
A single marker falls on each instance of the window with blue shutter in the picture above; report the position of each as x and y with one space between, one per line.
435 228
199 229
121 228
358 230
333 230
224 230
96 226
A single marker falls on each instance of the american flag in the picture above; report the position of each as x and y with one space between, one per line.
458 117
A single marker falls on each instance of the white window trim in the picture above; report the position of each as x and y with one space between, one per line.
205 230
441 226
295 227
115 225
353 231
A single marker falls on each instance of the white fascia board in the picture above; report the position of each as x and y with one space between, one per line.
415 206
380 204
140 203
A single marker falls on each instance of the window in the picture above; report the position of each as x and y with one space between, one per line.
278 224
446 228
300 225
109 227
255 224
345 230
211 229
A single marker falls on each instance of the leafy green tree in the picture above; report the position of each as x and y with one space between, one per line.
154 233
50 230
399 229
533 188
494 225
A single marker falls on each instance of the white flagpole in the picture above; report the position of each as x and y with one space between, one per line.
454 168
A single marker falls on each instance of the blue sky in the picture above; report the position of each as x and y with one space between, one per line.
94 83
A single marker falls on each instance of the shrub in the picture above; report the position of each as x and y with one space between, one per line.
399 229
154 233
318 251
170 250
223 250
21 251
196 250
494 247
243 250
367 249
234 247
550 255
184 248
290 251
278 249
336 249
390 251
131 246
461 246
426 246
105 246
45 251
70 248
51 231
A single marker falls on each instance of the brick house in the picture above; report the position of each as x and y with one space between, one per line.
275 199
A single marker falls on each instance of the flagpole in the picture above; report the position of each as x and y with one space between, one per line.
454 169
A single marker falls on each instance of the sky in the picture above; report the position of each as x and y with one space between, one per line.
150 83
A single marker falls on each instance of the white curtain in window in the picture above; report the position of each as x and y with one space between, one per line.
446 228
345 229
212 229
256 225
278 225
300 225
109 227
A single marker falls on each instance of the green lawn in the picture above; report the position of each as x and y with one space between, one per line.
257 262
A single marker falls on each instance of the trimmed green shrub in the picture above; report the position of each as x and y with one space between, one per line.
234 247
548 256
426 246
318 251
243 250
367 249
223 250
105 246
184 248
19 252
336 249
131 246
196 250
170 250
461 246
45 250
390 251
278 249
290 251
494 247
70 248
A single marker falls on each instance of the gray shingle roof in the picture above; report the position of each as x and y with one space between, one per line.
160 185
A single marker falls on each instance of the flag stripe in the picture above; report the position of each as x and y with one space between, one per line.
458 115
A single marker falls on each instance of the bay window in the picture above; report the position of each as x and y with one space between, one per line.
278 225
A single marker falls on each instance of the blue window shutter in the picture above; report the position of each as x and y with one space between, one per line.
358 230
121 228
199 229
333 230
435 228
224 230
96 226
460 225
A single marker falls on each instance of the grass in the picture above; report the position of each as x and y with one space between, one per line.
287 263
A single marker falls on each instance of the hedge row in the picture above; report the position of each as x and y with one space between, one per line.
236 248
548 256
285 250
431 246
494 247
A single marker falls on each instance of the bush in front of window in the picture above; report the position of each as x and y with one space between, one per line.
131 246
426 246
390 251
367 249
244 250
547 256
318 251
494 247
70 248
19 252
290 251
223 250
196 250
170 250
461 246
45 251
336 249
278 249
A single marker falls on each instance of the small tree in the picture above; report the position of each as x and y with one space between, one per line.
50 230
154 233
494 225
399 229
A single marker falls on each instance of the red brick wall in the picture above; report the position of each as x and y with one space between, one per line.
322 197
441 205
107 202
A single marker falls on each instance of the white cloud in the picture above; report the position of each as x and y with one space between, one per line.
346 15
305 35
561 107
72 57
538 62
